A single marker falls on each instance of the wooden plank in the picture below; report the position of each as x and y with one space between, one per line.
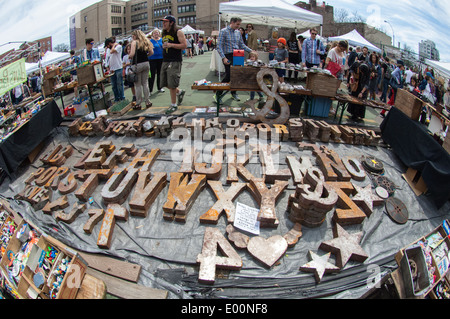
126 290
114 267
91 288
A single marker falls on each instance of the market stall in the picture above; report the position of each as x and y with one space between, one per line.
355 39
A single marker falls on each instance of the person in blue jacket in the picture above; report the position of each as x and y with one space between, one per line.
156 61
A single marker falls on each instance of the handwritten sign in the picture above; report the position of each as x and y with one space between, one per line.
246 218
12 75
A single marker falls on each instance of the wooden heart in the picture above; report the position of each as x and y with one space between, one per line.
267 251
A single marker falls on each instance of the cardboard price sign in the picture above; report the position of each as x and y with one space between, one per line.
12 75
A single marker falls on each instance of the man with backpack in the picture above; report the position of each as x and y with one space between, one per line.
387 75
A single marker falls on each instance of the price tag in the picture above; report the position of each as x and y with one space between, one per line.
246 218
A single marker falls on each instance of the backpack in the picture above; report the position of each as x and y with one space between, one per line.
388 73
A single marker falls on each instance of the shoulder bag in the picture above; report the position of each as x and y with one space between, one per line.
132 72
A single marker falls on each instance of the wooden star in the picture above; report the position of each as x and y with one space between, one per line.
366 199
319 265
345 246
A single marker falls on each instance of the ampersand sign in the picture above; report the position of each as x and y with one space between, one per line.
272 95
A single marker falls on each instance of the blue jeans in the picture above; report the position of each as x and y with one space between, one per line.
385 90
117 85
252 95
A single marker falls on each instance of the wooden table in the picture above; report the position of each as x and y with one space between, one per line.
345 100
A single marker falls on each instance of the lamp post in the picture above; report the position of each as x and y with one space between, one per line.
393 35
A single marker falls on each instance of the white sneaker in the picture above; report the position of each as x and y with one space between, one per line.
161 91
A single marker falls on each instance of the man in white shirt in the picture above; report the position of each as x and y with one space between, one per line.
409 75
116 66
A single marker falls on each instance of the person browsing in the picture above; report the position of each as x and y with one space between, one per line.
312 50
230 39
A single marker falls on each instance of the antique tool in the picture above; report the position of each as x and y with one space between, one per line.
397 210
386 183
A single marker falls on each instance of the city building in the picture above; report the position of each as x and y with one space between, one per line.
428 50
28 50
119 18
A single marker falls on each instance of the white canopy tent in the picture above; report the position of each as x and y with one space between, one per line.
277 13
442 68
190 30
355 39
307 35
48 59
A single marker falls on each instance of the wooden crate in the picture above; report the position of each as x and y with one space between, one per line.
244 77
322 84
51 74
89 74
71 281
408 104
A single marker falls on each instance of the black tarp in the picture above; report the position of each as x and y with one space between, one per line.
167 251
417 149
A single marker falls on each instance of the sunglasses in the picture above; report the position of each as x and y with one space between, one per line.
313 33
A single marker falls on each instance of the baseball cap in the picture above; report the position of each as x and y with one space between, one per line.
169 18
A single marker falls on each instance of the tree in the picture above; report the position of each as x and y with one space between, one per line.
62 47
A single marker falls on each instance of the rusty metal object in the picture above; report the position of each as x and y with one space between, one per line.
37 196
348 212
298 168
95 216
60 203
80 163
347 134
99 154
272 95
144 160
146 191
110 128
215 170
267 199
35 175
372 164
224 202
319 265
214 122
208 259
336 133
91 179
264 131
69 186
295 127
60 173
69 218
45 176
74 127
324 131
183 191
312 200
190 155
344 246
315 148
163 127
267 251
57 156
231 169
270 169
293 236
239 239
197 126
99 125
119 185
113 212
354 168
365 199
386 183
280 133
397 210
332 166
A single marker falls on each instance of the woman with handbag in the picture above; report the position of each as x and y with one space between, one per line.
141 49
335 61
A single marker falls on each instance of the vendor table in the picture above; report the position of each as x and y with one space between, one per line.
345 100
15 149
417 149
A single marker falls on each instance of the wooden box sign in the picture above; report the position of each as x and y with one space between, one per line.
89 74
408 104
51 74
244 77
322 84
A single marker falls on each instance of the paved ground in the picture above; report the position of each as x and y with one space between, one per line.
198 68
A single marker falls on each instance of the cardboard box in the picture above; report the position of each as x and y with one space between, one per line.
90 74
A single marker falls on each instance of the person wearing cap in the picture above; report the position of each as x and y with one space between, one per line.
230 39
282 56
116 65
174 42
312 49
397 77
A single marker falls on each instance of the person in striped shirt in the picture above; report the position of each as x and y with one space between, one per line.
230 39
312 50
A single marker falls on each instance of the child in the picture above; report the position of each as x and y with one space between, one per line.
253 56
282 56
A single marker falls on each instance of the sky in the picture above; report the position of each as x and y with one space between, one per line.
411 20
